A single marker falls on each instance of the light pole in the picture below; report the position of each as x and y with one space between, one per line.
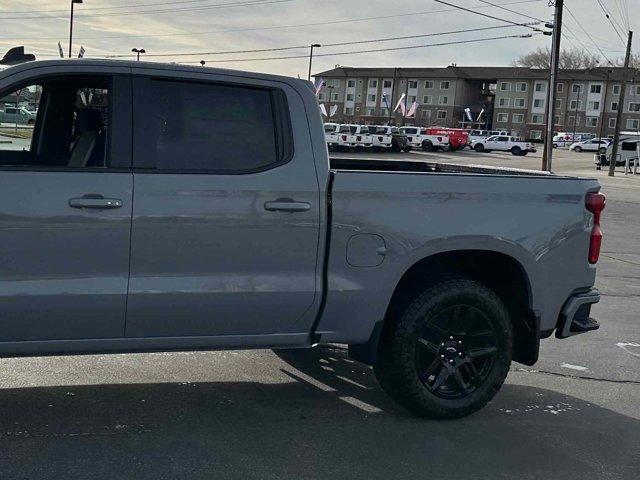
71 25
313 45
202 62
138 51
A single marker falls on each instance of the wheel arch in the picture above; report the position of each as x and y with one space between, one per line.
497 270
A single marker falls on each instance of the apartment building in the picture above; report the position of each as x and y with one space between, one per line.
510 98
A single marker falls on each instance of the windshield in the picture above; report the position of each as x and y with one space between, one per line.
329 128
410 131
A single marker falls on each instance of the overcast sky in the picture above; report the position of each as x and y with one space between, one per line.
165 26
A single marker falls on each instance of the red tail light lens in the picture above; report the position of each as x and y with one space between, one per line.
344 138
594 202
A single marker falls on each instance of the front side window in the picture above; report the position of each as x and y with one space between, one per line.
57 123
202 127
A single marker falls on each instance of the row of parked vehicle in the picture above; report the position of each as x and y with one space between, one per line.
403 139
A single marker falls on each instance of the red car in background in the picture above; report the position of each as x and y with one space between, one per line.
458 137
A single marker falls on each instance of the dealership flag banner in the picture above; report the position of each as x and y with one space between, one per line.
60 50
479 115
333 110
468 112
401 105
412 110
82 52
318 86
323 109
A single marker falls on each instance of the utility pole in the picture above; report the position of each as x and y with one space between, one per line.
623 89
71 25
313 45
553 79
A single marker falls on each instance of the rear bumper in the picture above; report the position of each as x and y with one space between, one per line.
575 315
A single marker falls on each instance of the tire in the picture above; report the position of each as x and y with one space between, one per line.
478 147
555 145
31 122
577 149
395 147
516 151
602 150
410 368
427 146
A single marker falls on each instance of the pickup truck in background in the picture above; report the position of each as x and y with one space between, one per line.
388 137
354 136
331 135
504 144
20 116
418 138
458 137
178 234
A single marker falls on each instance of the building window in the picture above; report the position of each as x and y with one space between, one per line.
576 88
505 86
411 99
371 112
371 97
413 84
556 120
537 119
571 120
348 110
560 87
445 85
373 83
384 112
636 89
321 96
426 114
350 97
443 100
614 106
334 97
519 102
616 89
442 114
428 84
576 105
612 122
634 107
503 117
518 117
427 99
633 123
541 87
521 87
538 103
593 106
592 122
559 103
351 83
595 88
536 134
386 84
503 102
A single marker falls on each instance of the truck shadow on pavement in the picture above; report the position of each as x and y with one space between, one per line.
330 421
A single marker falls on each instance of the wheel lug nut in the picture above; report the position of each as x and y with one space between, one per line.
442 344
450 338
451 361
441 356
459 354
459 342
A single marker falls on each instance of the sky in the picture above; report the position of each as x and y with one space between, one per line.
205 27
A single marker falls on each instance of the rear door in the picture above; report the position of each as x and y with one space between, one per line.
65 215
225 226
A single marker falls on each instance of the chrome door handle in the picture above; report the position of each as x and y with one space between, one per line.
286 205
95 202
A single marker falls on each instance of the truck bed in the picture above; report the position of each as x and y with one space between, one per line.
421 166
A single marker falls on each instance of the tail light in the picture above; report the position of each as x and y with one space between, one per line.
594 202
344 138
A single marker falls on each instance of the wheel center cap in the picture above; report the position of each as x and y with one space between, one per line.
450 350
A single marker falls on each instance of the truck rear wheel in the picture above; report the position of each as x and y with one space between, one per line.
427 146
516 150
479 147
448 353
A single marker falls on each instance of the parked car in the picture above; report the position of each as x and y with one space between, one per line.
388 137
419 267
418 138
628 151
354 136
503 143
478 135
458 137
593 145
566 139
20 116
331 135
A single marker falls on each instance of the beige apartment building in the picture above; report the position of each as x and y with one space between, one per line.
511 98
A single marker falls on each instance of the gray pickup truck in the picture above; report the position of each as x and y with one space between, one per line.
143 218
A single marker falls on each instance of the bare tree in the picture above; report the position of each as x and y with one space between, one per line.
569 59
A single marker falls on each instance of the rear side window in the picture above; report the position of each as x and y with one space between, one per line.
209 128
629 146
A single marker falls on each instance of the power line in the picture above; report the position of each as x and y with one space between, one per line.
484 14
339 44
512 11
410 47
242 3
608 17
112 7
587 34
276 27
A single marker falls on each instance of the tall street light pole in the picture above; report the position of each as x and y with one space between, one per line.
623 88
71 25
604 107
138 51
313 45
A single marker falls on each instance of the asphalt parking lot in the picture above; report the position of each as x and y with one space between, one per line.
317 414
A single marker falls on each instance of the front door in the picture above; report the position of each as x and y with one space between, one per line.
226 213
65 215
